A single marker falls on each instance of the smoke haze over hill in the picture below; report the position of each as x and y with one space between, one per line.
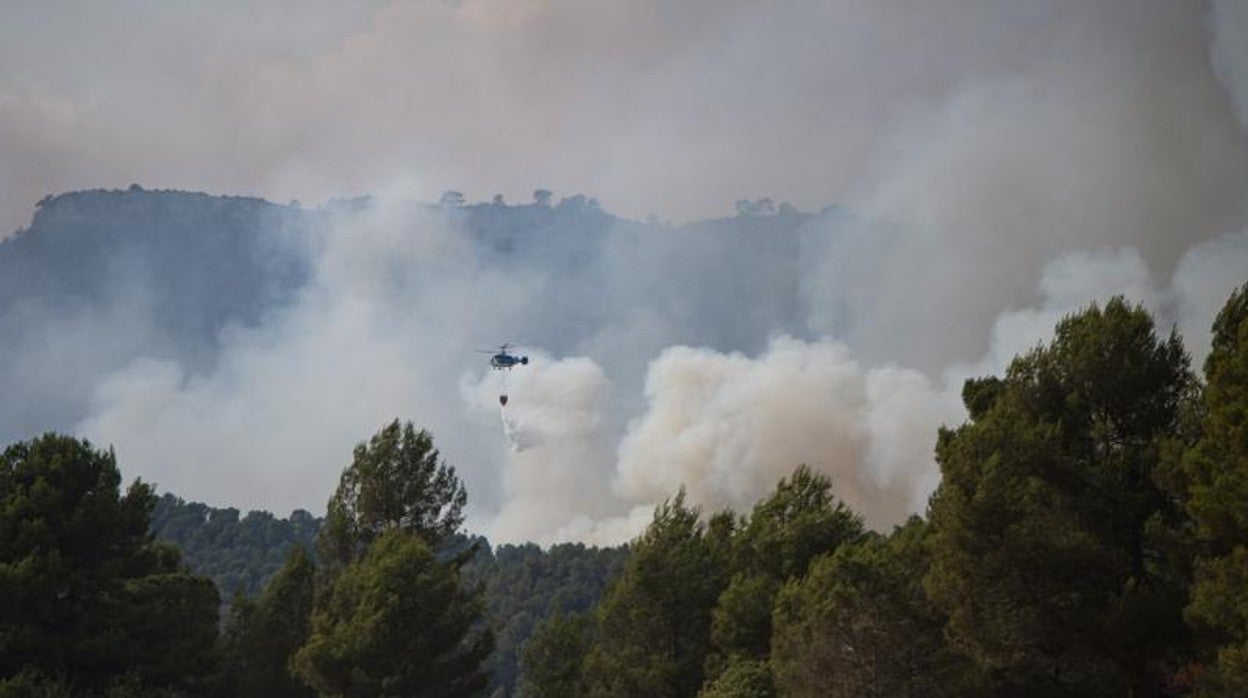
1065 152
673 107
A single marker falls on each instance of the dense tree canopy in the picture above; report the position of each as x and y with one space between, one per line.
86 595
1088 538
263 634
1217 472
237 553
742 678
860 624
655 620
524 585
396 480
554 658
794 525
1050 526
397 622
798 522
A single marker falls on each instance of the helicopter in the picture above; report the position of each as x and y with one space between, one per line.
502 358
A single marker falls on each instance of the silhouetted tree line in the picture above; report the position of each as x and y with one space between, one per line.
1089 537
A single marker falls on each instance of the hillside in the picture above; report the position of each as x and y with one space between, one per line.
523 584
240 555
102 278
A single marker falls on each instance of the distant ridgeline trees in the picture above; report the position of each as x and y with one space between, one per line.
158 274
1089 537
238 554
382 613
524 585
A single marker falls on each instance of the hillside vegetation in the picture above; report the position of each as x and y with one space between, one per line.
102 278
1088 538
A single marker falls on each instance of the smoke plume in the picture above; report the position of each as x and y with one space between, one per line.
993 166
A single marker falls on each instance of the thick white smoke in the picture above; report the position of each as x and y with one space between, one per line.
276 421
729 427
557 466
675 107
1116 134
993 175
384 330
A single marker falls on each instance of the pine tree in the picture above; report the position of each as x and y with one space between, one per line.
742 678
794 525
553 660
86 595
654 622
860 624
264 634
1217 471
397 622
395 480
1050 528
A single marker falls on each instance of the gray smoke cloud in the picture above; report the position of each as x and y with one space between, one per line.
996 165
1114 136
652 105
381 331
1228 22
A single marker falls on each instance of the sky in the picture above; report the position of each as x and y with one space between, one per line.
676 108
995 165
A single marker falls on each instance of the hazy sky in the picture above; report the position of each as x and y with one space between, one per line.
679 108
999 164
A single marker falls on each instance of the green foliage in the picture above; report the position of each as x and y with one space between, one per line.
554 657
1216 472
262 635
237 554
798 522
1089 500
742 678
235 643
980 394
396 480
525 585
86 596
741 622
1051 532
396 623
860 624
654 622
1218 465
1220 603
171 622
34 684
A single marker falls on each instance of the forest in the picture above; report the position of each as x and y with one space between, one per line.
1089 537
